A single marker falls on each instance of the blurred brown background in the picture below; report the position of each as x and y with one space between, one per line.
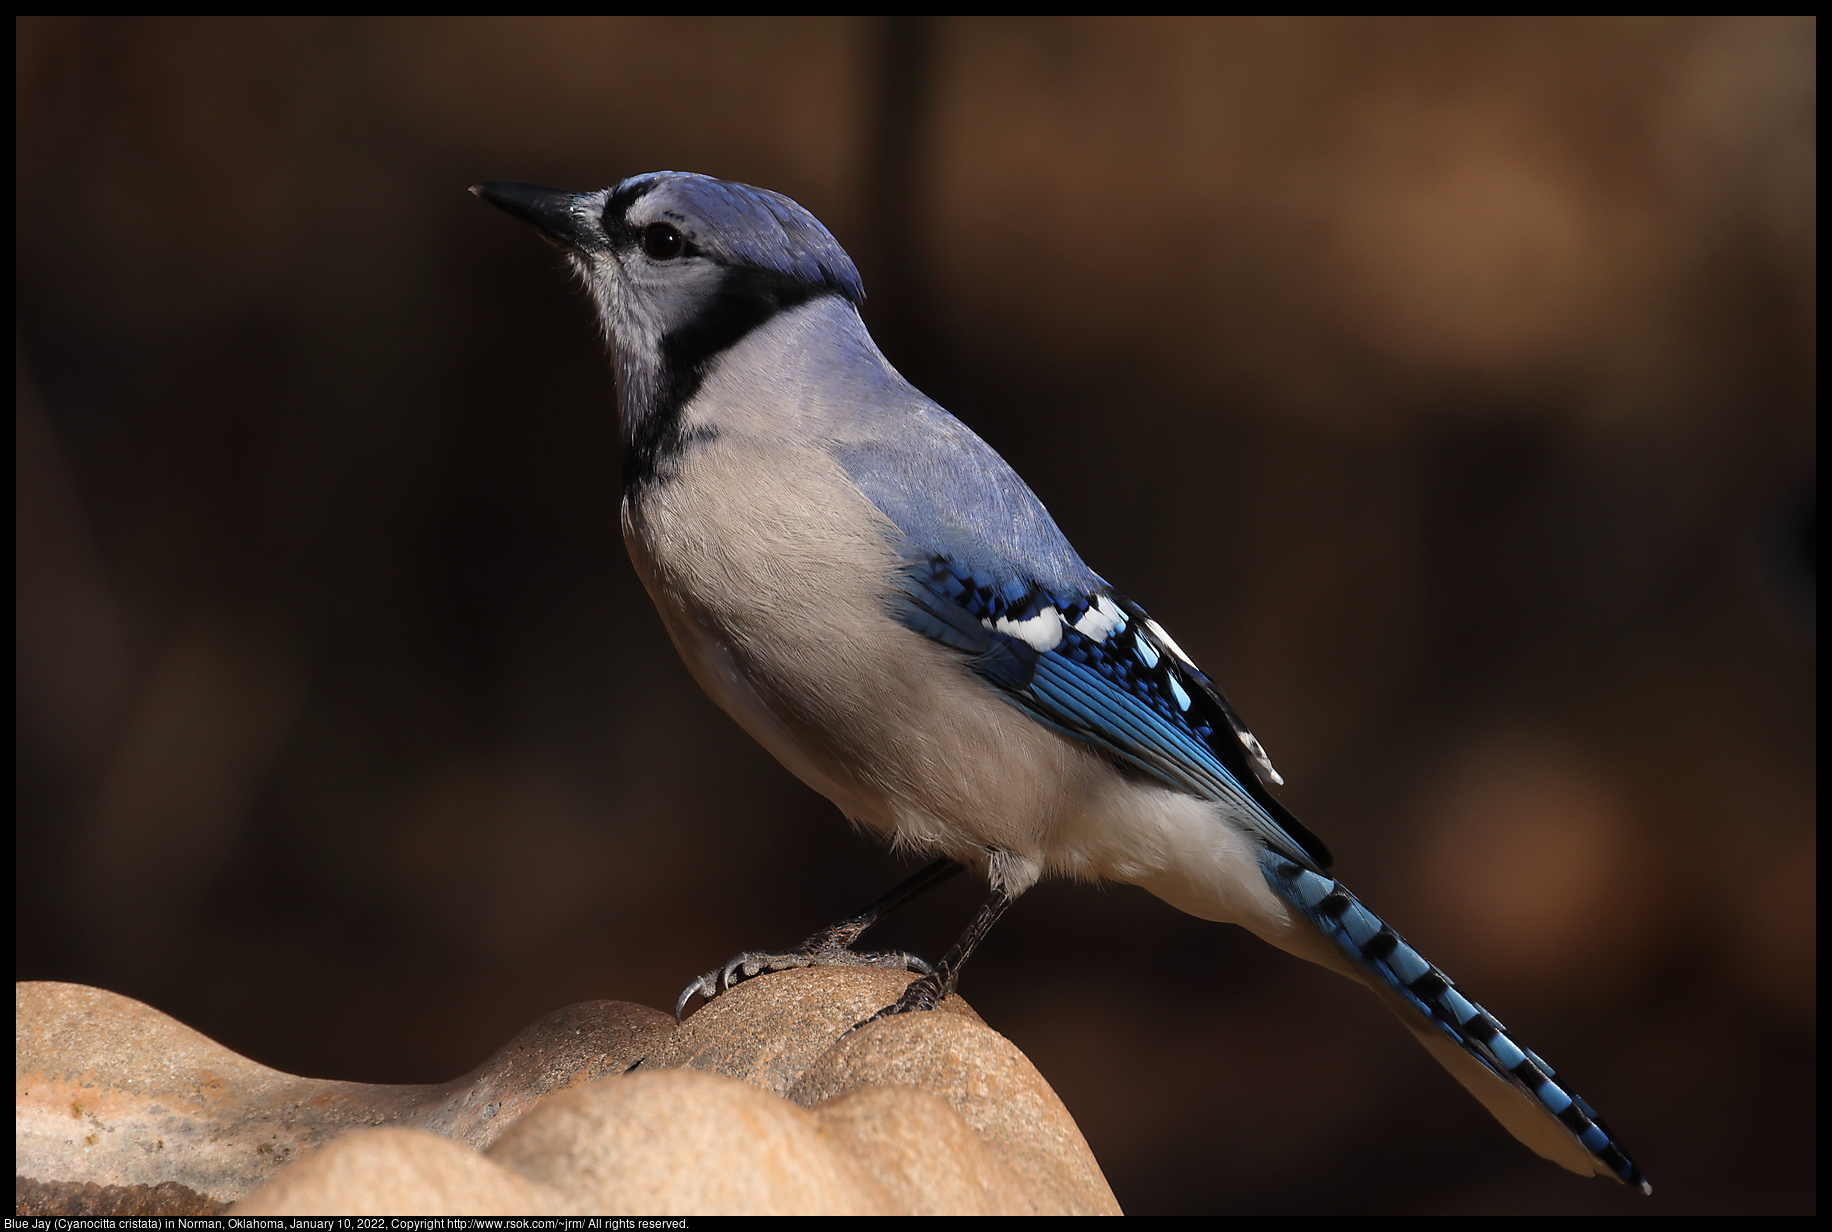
1446 387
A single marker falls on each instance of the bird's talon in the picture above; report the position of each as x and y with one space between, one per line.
703 986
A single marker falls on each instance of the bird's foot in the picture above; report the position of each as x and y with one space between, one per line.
921 995
820 951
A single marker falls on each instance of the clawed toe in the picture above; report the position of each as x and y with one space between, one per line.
756 962
738 970
921 996
706 986
891 961
726 978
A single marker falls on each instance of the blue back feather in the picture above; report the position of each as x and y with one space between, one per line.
952 496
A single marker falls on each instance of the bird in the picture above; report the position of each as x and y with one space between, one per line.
879 599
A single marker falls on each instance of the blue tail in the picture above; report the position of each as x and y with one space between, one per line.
1512 1083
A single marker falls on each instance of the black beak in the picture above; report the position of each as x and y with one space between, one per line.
548 210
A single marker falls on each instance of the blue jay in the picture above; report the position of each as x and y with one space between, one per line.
878 599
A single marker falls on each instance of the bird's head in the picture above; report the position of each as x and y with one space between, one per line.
681 266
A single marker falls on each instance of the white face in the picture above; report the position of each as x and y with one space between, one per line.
682 267
648 280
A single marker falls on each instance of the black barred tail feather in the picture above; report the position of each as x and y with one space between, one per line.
1511 1082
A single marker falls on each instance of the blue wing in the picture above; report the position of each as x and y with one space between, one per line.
1095 667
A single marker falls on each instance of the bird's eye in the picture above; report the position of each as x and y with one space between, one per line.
662 241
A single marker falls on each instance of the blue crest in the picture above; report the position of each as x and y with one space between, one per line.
746 226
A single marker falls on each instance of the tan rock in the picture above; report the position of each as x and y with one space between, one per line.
794 1033
926 1157
681 1142
123 1110
984 1078
767 1031
397 1171
766 1101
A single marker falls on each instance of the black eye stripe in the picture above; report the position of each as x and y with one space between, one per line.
663 241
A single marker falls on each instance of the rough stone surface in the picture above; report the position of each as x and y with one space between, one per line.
675 1141
120 1106
983 1077
397 1171
924 1155
766 1101
768 1031
32 1197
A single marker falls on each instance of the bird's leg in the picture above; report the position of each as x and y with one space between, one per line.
832 946
935 986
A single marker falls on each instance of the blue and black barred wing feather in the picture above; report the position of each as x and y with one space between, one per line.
1095 667
1098 669
1519 1089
